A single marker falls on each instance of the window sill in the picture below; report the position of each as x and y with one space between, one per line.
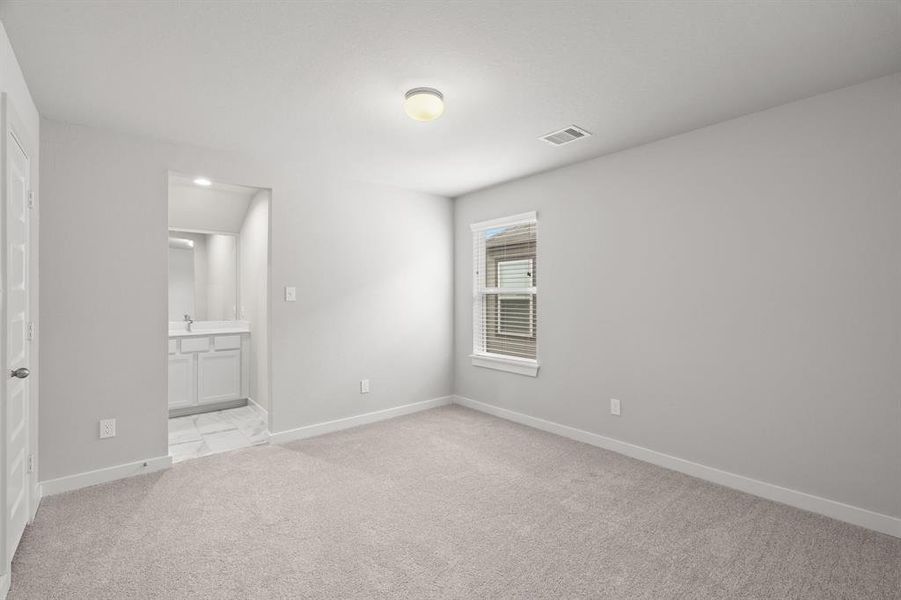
520 366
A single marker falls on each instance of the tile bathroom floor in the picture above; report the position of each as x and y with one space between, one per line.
194 436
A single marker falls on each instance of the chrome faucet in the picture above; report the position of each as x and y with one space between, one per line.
188 322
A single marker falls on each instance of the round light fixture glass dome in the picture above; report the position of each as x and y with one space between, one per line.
424 104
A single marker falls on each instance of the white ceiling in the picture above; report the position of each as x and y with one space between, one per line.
321 84
219 207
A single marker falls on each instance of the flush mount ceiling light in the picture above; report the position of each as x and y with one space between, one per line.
424 104
203 181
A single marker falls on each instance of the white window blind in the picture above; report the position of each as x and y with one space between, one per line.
505 288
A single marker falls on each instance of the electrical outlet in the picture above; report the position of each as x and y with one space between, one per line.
364 386
107 428
615 407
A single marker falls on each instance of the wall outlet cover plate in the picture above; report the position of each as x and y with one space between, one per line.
615 407
107 428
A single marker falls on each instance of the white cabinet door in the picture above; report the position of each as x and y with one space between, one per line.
218 376
181 380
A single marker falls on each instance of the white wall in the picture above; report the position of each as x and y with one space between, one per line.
373 267
254 274
738 288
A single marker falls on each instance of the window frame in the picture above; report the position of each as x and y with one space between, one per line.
480 357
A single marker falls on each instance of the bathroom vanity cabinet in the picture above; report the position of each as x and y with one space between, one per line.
207 368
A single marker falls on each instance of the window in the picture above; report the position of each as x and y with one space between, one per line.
505 294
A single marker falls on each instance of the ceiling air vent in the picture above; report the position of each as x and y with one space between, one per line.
564 136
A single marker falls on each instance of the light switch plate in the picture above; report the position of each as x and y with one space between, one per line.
364 386
290 294
615 407
107 428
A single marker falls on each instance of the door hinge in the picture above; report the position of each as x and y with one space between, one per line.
29 464
29 331
30 199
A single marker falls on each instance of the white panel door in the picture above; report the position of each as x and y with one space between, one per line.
218 376
16 323
181 381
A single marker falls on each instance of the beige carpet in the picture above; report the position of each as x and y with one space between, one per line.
447 503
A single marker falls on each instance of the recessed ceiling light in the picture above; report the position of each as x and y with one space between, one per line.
203 181
424 104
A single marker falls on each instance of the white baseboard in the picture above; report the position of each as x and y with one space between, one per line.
264 414
830 508
309 431
37 494
80 480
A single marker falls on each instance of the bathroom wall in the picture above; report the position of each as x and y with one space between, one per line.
254 274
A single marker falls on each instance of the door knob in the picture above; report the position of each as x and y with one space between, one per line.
21 373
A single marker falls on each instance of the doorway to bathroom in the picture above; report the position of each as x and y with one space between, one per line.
218 338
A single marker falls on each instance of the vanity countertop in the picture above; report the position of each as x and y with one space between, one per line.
199 332
177 328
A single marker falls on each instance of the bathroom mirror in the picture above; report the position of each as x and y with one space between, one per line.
203 276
